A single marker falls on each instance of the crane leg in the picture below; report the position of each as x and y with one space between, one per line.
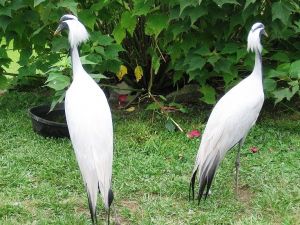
237 167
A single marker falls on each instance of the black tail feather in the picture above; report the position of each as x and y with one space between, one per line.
192 185
211 174
92 212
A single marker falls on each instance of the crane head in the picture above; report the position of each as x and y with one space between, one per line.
77 31
254 37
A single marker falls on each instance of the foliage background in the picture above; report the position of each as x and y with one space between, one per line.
170 42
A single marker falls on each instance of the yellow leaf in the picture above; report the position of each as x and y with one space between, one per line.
131 109
138 72
122 72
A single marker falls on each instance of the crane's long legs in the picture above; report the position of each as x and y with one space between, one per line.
237 167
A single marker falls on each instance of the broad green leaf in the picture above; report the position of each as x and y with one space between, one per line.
155 23
269 84
276 73
58 98
248 2
101 39
68 4
4 21
112 51
88 18
280 57
281 94
295 69
59 43
128 22
220 3
85 61
38 31
213 59
141 7
281 12
230 48
57 81
119 33
195 62
153 106
209 94
3 82
37 2
186 3
97 77
155 63
223 65
170 126
203 50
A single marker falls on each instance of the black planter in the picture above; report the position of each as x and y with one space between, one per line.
49 124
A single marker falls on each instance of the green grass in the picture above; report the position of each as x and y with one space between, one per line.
40 182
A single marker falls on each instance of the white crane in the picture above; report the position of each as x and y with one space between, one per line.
89 121
230 120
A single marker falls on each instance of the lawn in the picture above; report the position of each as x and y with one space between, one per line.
41 184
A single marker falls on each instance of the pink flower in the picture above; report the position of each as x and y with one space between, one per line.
193 134
254 149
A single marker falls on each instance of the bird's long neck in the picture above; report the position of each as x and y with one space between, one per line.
76 63
257 71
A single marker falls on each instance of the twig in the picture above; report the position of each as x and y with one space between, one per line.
160 52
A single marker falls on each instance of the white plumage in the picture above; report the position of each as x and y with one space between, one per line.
231 119
89 121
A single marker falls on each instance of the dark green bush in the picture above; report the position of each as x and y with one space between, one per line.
174 42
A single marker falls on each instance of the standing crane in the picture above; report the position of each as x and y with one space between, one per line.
89 122
230 121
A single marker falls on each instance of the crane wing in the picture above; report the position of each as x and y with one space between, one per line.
229 123
90 126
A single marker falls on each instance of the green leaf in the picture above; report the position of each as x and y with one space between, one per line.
170 126
58 98
141 7
57 81
3 82
280 57
295 69
119 33
85 61
155 63
68 4
281 94
281 12
155 23
196 62
223 65
248 2
101 39
230 48
269 84
186 3
213 59
59 43
209 94
153 106
4 21
37 2
88 18
128 22
97 77
220 3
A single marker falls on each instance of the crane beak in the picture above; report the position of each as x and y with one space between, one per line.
60 27
265 33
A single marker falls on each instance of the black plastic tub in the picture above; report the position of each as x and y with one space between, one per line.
49 124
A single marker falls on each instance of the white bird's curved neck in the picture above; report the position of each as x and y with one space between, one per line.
76 63
257 71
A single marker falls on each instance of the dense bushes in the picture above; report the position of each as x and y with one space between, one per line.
161 43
